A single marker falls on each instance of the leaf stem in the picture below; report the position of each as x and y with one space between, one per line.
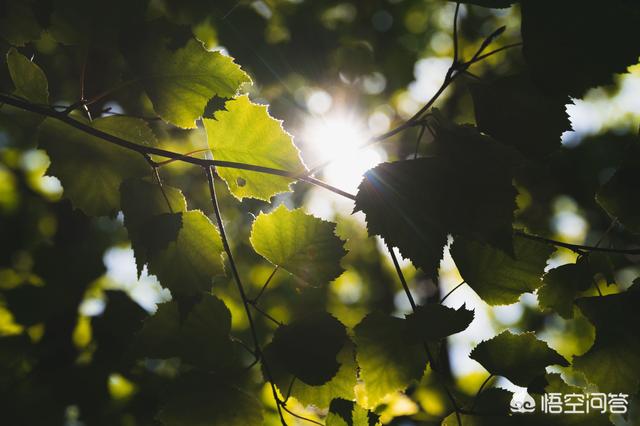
243 295
451 291
266 284
396 264
150 150
484 383
578 248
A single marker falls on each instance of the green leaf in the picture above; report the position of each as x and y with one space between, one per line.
434 321
181 83
202 339
562 285
343 412
388 361
340 386
613 362
465 190
200 401
619 197
559 47
18 22
307 348
189 262
515 112
498 278
246 133
300 243
141 200
521 358
91 169
28 78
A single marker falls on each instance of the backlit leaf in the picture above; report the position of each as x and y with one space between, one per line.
28 78
246 133
91 169
300 243
18 22
613 362
498 278
181 83
388 361
520 358
188 264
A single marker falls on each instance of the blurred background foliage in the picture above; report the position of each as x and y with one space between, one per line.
338 67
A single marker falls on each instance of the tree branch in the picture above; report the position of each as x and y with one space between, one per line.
150 150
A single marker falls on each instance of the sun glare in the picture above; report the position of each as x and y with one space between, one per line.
338 138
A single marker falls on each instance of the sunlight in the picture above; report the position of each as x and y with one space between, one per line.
338 137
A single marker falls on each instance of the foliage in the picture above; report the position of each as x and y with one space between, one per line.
126 124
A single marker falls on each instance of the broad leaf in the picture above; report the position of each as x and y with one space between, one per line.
515 112
562 285
466 190
300 243
307 348
18 22
141 200
613 362
434 321
181 83
388 361
520 358
340 386
188 262
561 40
91 169
619 197
347 413
498 278
246 133
28 78
199 401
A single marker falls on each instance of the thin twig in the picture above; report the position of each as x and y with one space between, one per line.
451 291
265 313
298 416
266 284
412 302
578 248
420 134
151 150
475 400
234 270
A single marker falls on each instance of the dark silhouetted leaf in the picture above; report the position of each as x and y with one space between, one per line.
498 278
517 113
307 348
520 358
613 362
562 285
348 413
619 197
435 321
561 40
466 190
